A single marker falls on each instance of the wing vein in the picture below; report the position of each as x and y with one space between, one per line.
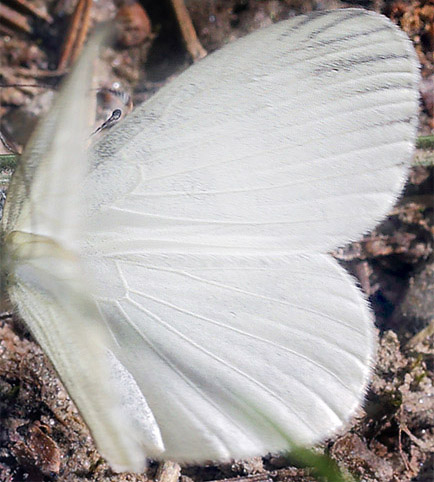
218 360
179 372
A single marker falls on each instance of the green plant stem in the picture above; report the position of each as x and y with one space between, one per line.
425 142
8 161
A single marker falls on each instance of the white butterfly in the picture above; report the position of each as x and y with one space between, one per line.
216 325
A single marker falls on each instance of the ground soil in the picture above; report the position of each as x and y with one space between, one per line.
43 438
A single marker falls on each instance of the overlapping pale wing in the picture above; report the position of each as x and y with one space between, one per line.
48 286
295 137
44 196
52 297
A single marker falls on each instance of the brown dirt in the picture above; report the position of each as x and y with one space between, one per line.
42 437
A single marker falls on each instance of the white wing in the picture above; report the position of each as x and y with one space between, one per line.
46 282
44 196
209 207
51 295
233 352
267 143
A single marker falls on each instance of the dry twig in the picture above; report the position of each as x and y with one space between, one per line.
76 34
188 33
15 19
30 9
421 336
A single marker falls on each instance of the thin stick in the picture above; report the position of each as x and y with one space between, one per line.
421 336
31 9
188 33
76 34
14 18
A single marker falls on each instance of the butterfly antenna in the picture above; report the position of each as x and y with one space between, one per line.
110 122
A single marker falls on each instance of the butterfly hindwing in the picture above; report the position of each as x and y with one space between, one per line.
230 355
